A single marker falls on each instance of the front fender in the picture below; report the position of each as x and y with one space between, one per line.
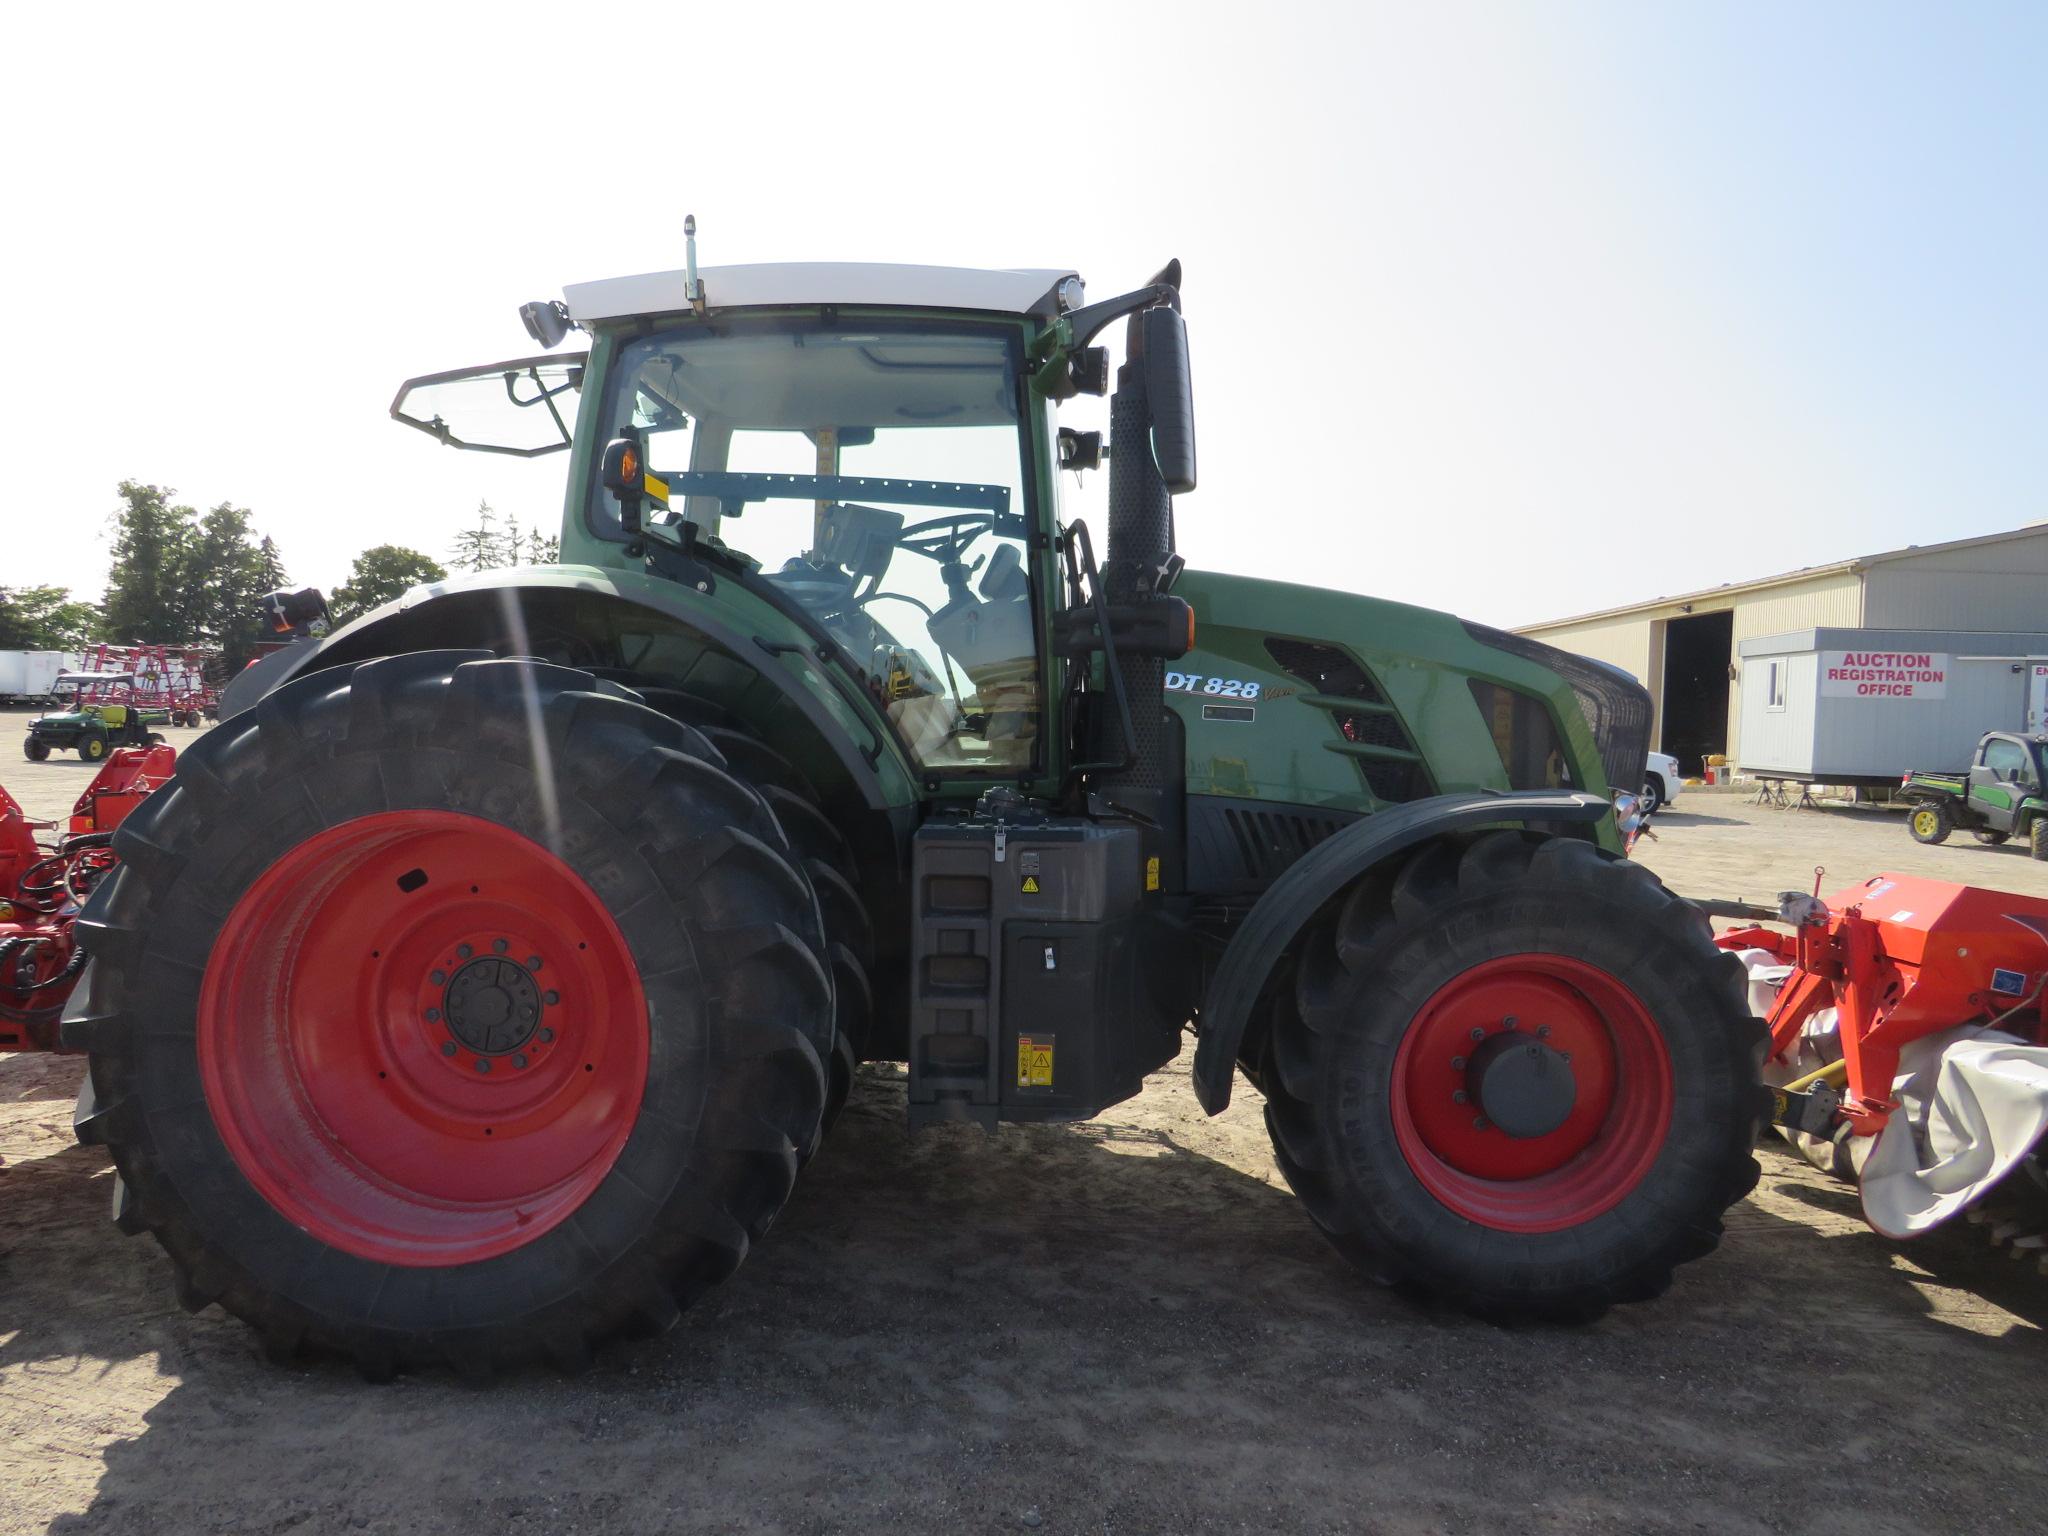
1277 917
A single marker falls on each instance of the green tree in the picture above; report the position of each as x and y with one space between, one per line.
481 548
152 542
379 574
44 619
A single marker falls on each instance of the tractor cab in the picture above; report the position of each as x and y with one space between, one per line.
869 451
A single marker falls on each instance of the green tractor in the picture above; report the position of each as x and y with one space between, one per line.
477 992
94 728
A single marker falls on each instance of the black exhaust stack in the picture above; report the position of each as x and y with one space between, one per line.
1151 425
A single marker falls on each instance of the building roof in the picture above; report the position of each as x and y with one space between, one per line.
1727 589
1015 291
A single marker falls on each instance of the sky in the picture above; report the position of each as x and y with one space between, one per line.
1514 310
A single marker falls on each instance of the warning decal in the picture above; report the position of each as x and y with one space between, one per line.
1031 885
1034 1061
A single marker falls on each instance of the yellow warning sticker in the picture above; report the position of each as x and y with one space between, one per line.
1152 874
1031 885
1034 1061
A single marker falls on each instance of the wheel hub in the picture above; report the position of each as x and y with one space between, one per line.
492 1005
1521 1084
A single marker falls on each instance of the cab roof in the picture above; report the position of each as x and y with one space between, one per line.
1012 290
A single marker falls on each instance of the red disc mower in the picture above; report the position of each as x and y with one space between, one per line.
1908 1049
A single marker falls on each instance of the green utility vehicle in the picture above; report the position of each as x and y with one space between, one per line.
1998 797
477 991
102 715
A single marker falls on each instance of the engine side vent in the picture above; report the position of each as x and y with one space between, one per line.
1336 674
1237 847
1616 706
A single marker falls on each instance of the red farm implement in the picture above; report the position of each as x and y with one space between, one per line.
44 884
182 680
1908 1047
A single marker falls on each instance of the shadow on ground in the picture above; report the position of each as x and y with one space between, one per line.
1092 1328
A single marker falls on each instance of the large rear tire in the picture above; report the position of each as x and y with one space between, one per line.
448 1009
1515 1076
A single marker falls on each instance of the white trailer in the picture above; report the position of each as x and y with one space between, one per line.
30 677
1861 706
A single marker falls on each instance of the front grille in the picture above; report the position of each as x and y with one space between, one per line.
1338 674
1616 706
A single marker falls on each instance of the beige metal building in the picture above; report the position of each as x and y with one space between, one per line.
1684 648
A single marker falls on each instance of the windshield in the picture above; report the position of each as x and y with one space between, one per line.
875 473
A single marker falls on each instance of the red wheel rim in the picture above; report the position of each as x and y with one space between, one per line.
423 1038
1606 1143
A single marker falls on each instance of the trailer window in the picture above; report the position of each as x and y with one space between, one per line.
1775 696
1530 753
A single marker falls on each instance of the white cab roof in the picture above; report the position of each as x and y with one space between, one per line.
1015 291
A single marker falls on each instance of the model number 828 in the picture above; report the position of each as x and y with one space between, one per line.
1219 687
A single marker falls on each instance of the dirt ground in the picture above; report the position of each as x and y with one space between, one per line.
1124 1326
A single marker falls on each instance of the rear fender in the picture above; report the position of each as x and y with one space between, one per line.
1278 917
735 651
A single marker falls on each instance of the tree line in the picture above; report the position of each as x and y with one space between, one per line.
180 576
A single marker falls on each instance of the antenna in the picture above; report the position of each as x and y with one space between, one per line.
693 285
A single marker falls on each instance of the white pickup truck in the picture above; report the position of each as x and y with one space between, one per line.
1661 781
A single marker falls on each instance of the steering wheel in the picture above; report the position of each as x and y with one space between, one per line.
942 538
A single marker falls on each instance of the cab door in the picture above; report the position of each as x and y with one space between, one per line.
2000 778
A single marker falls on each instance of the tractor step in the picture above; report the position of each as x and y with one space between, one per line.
1025 995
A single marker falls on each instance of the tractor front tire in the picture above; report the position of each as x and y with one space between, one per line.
1930 822
35 749
2037 837
92 749
1516 1077
453 1010
1991 838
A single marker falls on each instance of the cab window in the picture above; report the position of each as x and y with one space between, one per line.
875 473
2007 759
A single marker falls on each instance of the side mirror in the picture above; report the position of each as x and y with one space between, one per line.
1170 395
1080 450
624 474
546 320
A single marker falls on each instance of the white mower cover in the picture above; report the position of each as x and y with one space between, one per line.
1975 1102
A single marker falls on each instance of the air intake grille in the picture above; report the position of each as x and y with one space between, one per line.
1234 848
1335 673
1616 707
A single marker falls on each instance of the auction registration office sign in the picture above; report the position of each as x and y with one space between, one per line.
1883 674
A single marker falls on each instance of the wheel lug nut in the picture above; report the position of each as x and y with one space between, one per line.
533 962
545 1036
463 951
1459 1096
433 1015
519 1061
1542 1031
553 997
1478 1033
447 1047
439 978
1479 1122
1457 1063
1508 1022
482 1065
499 946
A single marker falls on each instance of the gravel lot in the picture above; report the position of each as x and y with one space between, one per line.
1123 1326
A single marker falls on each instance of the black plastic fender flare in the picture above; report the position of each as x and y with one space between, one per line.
409 623
1320 874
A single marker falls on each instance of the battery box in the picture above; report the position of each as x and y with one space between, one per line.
1026 999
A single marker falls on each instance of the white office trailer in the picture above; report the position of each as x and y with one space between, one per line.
1861 706
30 677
